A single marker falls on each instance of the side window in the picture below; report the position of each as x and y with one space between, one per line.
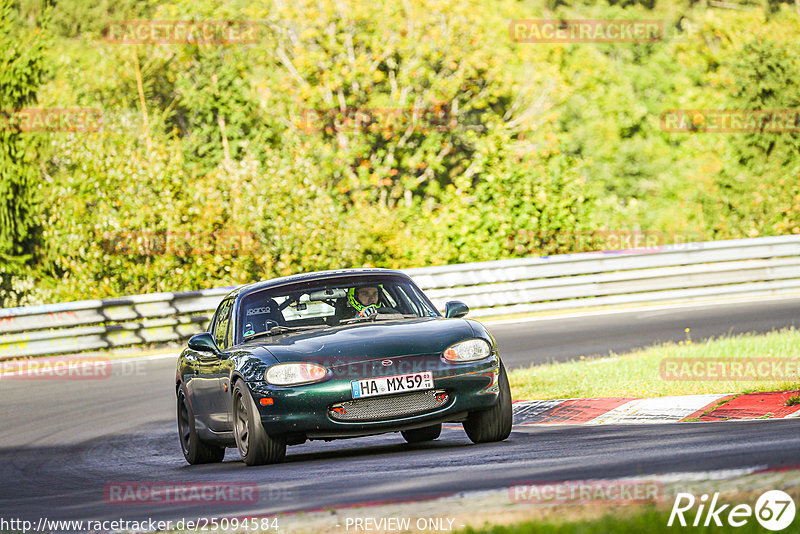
221 326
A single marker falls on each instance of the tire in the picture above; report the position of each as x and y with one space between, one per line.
426 433
493 424
254 444
194 450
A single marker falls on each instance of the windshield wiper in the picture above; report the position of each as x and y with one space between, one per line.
379 317
276 330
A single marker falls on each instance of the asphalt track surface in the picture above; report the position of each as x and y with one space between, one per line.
63 441
566 338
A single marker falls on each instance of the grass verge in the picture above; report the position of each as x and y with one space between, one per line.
638 374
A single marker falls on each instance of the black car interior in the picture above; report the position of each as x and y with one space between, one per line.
262 315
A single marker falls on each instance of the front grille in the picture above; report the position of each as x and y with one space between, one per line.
382 408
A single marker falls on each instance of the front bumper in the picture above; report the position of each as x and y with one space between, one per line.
306 410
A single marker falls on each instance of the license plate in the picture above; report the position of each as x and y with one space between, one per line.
372 387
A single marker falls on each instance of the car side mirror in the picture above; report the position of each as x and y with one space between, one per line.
204 343
455 308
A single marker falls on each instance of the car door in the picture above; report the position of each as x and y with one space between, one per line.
223 410
220 409
207 387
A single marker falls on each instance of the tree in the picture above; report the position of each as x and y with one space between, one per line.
22 70
758 190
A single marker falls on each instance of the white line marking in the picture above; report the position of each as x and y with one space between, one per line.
655 410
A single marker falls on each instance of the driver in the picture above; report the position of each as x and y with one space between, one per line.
364 300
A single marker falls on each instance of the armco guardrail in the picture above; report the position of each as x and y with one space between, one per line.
738 267
103 324
674 272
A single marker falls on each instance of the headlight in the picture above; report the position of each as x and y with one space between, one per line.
294 374
467 351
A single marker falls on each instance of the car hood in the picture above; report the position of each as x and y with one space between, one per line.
367 341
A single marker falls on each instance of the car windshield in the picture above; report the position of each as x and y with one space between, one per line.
330 302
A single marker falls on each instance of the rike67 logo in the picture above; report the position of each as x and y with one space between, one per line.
774 510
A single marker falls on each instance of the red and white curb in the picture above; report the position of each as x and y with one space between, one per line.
621 410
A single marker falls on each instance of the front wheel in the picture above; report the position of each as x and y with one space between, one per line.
493 424
254 444
427 433
194 450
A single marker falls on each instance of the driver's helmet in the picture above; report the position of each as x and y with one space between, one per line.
353 301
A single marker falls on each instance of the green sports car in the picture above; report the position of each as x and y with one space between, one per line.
335 354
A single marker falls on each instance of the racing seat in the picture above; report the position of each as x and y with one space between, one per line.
262 317
342 311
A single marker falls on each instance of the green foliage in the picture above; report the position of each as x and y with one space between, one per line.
518 208
22 70
389 134
757 190
213 110
86 18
